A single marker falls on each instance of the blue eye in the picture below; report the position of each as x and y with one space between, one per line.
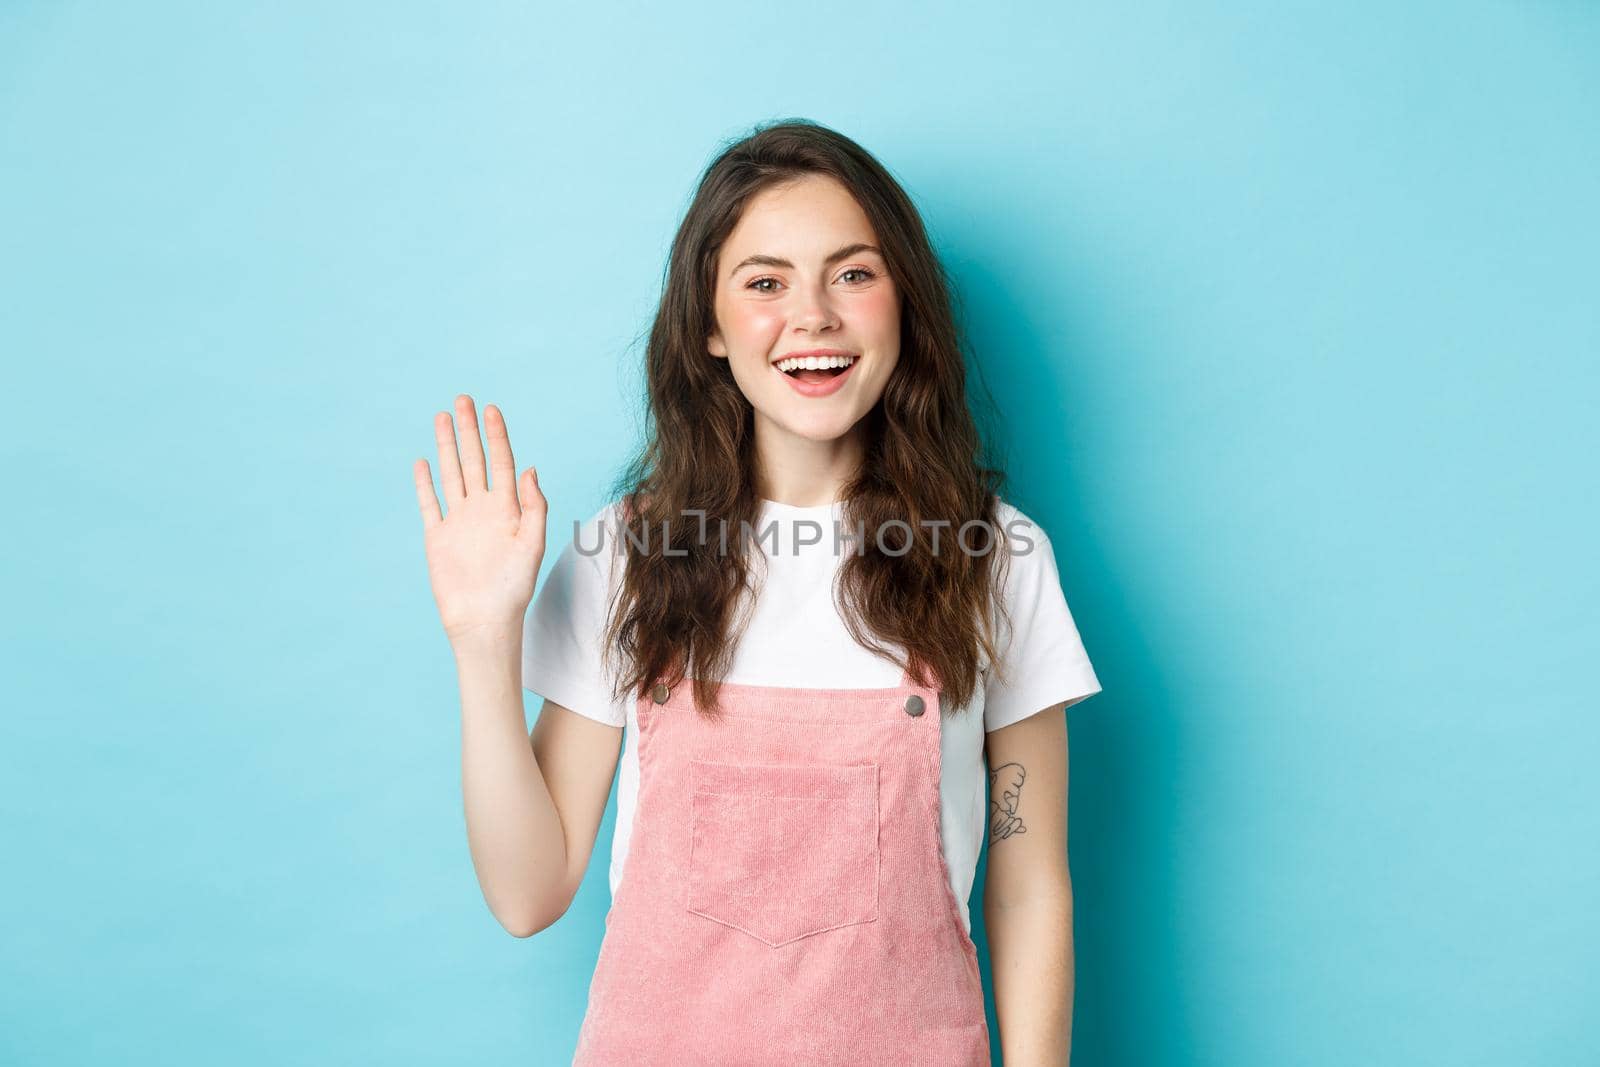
861 270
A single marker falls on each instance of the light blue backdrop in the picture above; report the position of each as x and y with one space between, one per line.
1292 312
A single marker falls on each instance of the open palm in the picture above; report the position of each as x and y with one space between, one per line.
484 553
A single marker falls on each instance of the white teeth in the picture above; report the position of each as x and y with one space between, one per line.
814 362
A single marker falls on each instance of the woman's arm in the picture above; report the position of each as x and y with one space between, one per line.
1027 896
533 804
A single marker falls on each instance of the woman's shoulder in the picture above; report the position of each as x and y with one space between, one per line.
588 543
1025 561
1021 535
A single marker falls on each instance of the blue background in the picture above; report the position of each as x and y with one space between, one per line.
1292 313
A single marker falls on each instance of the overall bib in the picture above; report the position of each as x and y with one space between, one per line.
785 898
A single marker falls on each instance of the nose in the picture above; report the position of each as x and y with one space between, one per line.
812 311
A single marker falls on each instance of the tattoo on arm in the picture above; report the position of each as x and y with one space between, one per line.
1005 793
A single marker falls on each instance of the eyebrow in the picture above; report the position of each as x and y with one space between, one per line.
777 261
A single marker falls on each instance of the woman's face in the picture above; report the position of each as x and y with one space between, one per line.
801 273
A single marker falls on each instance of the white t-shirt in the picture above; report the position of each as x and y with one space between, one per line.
561 658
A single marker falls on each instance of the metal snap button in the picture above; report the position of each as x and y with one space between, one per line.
660 693
913 705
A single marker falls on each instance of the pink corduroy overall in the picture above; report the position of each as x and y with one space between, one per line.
785 897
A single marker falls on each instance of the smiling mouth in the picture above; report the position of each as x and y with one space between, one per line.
817 381
803 369
822 375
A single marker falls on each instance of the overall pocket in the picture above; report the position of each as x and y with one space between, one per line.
783 851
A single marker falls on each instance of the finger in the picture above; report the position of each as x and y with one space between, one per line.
444 433
534 508
502 467
471 447
426 500
533 501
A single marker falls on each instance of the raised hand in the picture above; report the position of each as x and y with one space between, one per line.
484 553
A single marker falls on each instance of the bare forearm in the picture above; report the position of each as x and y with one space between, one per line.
1030 950
513 828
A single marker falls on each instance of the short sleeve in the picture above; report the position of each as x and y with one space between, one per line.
562 642
1044 658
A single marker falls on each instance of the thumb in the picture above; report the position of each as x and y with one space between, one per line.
529 494
534 506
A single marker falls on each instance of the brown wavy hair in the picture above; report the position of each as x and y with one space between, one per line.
677 611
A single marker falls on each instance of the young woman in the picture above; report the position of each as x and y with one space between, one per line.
806 620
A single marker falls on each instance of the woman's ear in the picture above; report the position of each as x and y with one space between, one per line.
715 346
